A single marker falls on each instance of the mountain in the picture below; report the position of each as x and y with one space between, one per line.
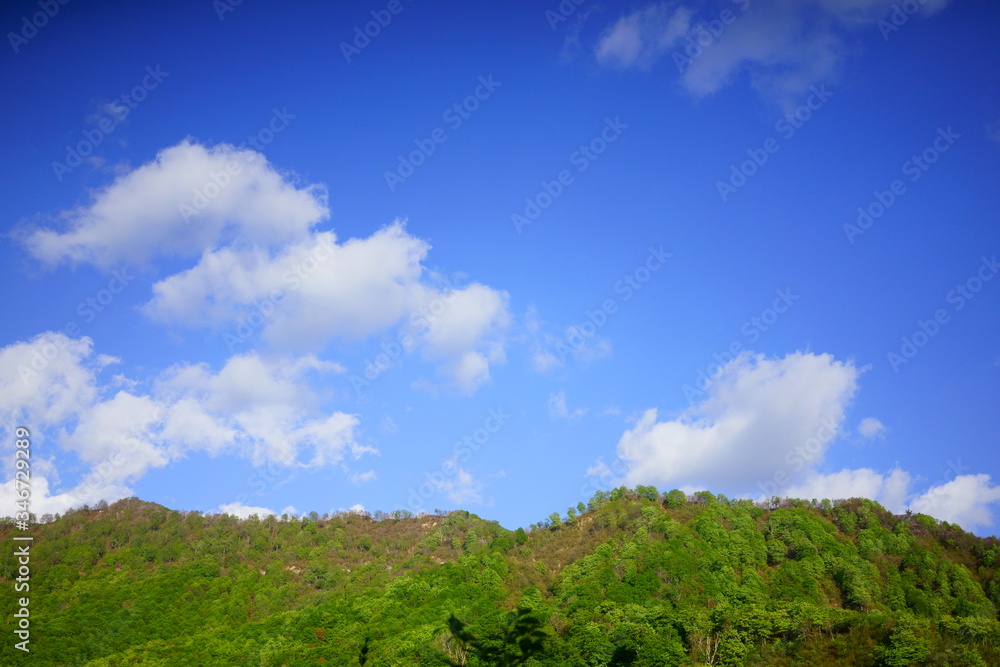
635 577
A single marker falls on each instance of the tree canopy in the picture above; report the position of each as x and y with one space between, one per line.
636 578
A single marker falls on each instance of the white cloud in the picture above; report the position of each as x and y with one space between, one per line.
362 477
785 45
890 490
467 316
264 271
558 409
244 511
870 427
642 36
388 425
543 361
965 500
549 351
306 294
140 214
599 469
47 379
326 290
261 409
122 430
461 487
761 416
45 501
469 371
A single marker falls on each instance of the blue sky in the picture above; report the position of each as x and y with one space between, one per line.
496 257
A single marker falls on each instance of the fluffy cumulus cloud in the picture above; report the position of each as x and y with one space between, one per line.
185 200
48 379
261 409
763 431
303 295
265 410
263 270
307 291
966 500
762 417
784 45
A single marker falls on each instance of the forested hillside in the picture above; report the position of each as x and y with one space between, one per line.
632 578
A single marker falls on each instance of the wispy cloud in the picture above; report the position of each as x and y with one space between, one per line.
558 409
783 46
870 428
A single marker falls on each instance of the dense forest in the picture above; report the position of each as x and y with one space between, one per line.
634 577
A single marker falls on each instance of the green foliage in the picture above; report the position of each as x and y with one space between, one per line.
520 639
675 499
903 648
647 492
633 582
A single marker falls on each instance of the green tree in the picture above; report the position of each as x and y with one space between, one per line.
520 639
903 648
675 499
647 492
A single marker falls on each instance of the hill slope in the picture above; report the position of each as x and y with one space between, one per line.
637 578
